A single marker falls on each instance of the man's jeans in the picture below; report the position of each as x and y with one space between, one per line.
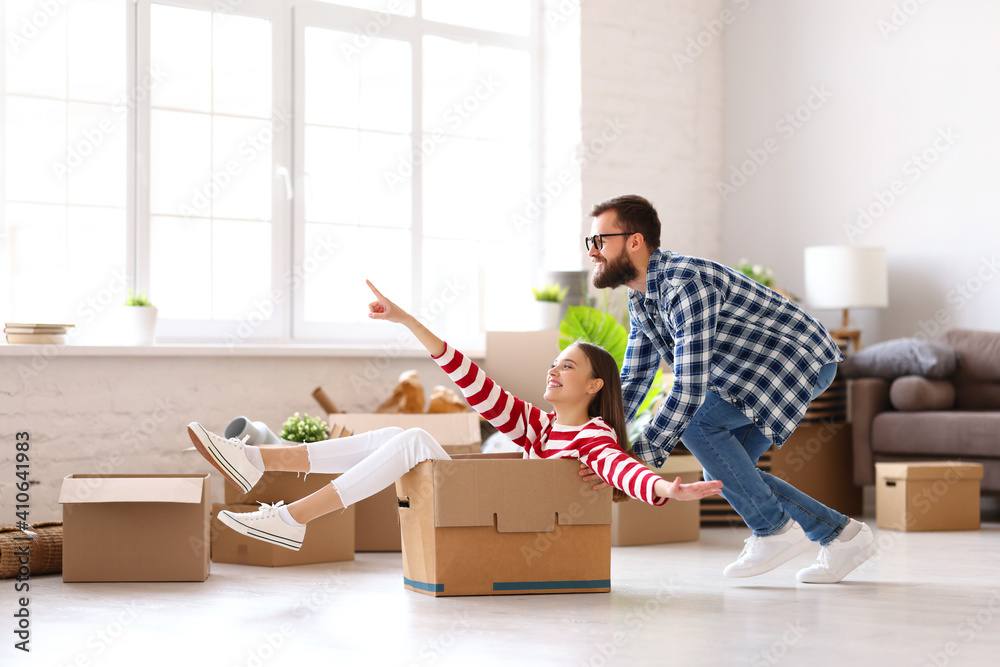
728 445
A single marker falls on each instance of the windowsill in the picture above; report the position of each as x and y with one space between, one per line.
222 350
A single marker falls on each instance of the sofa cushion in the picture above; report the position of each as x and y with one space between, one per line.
977 395
912 392
902 356
947 433
979 352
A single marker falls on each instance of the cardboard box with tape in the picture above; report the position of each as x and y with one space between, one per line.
635 522
495 524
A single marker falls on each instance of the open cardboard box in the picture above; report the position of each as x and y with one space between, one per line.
927 495
376 521
330 538
498 524
135 527
635 522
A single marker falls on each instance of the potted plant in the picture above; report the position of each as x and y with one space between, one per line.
548 305
303 428
139 327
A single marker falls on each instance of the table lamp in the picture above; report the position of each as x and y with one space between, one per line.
845 277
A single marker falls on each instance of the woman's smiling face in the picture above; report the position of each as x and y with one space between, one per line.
570 379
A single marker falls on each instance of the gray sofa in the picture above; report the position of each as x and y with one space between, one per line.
951 418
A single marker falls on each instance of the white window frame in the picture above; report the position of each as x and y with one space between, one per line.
412 29
254 328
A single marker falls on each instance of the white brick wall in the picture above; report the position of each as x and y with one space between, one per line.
670 146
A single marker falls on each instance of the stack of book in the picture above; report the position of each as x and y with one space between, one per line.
38 334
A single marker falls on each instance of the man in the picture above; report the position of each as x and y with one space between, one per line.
746 364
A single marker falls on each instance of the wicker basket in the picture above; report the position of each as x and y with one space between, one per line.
45 543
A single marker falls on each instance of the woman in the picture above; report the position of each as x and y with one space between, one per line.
587 423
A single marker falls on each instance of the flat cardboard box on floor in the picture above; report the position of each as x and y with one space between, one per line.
927 495
135 527
498 524
635 522
376 521
329 539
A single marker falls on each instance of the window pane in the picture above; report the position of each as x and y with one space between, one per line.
385 86
96 165
96 262
386 195
401 7
181 169
333 89
35 148
181 47
97 54
36 49
331 159
37 241
241 168
512 16
451 285
241 269
335 291
241 52
180 253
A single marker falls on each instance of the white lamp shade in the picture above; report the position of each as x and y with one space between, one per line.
846 277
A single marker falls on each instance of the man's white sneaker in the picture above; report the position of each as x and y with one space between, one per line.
266 525
838 559
763 554
227 455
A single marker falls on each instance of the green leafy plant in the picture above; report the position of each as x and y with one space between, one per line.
553 292
304 429
762 274
139 299
597 327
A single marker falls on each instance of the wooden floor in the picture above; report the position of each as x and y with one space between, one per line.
927 599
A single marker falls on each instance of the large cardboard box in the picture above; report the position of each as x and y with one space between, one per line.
929 495
376 521
330 538
635 522
135 527
497 524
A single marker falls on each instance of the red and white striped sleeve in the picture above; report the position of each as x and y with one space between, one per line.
598 447
519 420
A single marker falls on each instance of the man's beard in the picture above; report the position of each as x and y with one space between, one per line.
615 272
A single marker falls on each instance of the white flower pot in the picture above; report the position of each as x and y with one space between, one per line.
138 325
547 315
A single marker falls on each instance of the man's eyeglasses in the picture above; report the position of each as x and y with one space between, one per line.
597 240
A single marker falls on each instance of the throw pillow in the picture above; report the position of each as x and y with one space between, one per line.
912 392
902 356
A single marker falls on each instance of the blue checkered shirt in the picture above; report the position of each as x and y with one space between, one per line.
723 332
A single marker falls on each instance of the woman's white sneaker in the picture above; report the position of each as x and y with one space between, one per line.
227 455
763 554
839 558
266 525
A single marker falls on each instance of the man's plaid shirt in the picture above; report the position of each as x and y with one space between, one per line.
719 331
